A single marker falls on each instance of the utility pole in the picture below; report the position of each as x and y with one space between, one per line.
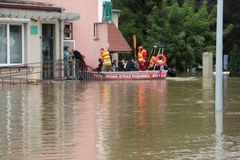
219 45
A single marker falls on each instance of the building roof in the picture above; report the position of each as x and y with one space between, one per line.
117 42
29 5
34 10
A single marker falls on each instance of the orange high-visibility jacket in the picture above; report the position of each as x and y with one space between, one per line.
105 55
142 55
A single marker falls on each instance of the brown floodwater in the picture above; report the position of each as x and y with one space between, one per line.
172 119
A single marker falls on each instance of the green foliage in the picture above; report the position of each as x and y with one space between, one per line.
234 62
228 30
185 32
185 27
133 18
232 17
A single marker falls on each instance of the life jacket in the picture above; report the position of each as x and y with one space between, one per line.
106 58
151 63
142 56
102 54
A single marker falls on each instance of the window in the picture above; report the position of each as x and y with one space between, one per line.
11 44
107 11
95 31
3 44
69 43
68 31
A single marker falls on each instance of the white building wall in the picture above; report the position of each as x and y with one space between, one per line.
34 44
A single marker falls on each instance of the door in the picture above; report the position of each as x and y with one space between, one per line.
47 51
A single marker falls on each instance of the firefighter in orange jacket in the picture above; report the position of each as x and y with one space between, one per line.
151 63
142 58
106 60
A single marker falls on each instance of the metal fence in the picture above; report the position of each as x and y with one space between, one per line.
44 72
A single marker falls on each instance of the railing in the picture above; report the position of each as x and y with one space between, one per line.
34 73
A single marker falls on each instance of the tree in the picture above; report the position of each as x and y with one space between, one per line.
185 32
133 19
185 27
234 62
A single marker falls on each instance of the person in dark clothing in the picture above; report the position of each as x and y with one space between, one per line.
79 62
99 68
130 65
172 72
79 57
114 65
77 54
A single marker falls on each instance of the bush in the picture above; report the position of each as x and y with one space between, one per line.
234 63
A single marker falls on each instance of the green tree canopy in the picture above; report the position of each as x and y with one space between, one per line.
185 27
185 32
234 66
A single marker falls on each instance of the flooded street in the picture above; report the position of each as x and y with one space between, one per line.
172 119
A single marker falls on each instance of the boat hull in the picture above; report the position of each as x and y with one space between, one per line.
132 75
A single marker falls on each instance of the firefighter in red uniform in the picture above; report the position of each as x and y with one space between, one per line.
142 58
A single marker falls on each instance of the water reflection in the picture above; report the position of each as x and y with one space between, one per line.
219 135
165 119
142 107
208 90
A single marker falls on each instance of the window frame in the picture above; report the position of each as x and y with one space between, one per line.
8 43
95 31
70 37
